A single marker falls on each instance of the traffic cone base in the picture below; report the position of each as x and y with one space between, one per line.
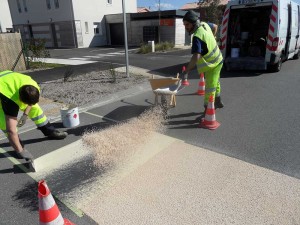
209 121
212 125
185 83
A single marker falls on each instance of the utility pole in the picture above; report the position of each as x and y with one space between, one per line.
159 21
125 38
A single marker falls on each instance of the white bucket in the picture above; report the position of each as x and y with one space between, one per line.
69 116
235 52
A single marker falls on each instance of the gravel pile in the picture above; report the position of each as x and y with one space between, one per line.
89 87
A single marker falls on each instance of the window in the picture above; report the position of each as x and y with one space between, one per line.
97 29
25 5
19 6
48 4
109 1
56 3
86 24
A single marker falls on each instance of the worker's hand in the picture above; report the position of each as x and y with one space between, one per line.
22 120
184 75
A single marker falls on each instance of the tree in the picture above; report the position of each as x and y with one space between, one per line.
213 12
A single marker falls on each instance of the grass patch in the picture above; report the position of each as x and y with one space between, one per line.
39 65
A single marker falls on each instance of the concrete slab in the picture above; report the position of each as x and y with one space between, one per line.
184 184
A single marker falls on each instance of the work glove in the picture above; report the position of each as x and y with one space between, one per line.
184 77
22 120
25 154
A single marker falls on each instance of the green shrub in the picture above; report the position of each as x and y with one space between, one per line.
163 46
35 51
144 49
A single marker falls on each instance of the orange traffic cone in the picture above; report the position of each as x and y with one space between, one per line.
48 210
201 85
209 121
184 82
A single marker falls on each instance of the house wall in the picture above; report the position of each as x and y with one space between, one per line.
70 25
5 17
88 14
45 23
175 34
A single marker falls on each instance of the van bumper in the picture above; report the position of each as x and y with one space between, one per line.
274 59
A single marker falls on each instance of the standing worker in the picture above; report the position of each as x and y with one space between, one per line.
206 56
20 92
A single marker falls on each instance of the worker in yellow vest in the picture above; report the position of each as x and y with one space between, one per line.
206 55
20 92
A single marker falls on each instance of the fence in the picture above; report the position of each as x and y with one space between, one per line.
11 54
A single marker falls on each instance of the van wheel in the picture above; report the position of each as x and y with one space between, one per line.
297 55
276 67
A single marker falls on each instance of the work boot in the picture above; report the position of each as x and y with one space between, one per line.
58 135
218 103
25 155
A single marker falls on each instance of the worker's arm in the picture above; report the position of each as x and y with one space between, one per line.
215 29
27 110
11 128
193 61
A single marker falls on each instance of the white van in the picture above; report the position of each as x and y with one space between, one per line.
260 34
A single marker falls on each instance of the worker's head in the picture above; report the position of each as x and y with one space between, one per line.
191 21
29 94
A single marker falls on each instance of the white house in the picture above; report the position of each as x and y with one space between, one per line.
5 17
66 23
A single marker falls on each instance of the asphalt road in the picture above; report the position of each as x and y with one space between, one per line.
259 125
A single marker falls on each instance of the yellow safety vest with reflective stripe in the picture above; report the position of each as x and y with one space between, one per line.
214 55
10 84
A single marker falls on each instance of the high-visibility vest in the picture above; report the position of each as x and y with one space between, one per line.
214 55
10 84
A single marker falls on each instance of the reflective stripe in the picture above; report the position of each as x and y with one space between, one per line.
207 64
46 203
58 221
38 117
212 53
42 124
210 118
6 73
209 90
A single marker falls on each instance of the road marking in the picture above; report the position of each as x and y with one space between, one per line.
104 55
102 117
78 58
117 53
102 49
92 56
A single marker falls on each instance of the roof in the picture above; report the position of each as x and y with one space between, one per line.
142 9
155 14
195 5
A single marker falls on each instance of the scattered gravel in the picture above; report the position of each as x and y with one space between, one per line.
89 87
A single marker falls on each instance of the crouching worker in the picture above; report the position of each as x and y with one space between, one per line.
21 92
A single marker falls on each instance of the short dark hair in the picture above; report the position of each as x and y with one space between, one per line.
29 94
